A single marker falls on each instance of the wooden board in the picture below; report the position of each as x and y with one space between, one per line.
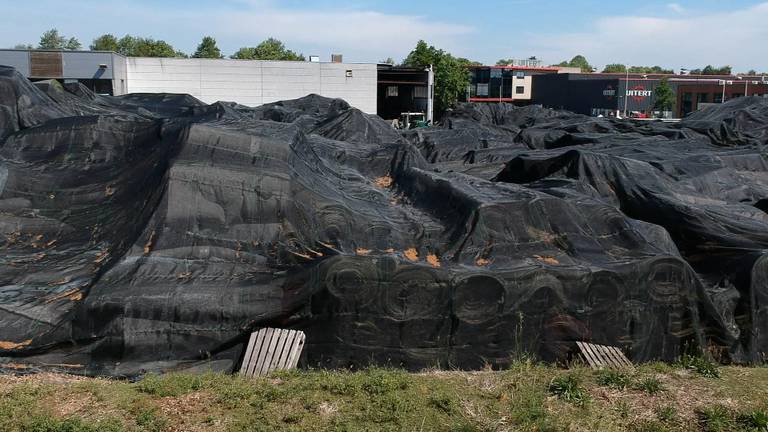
271 349
601 356
45 64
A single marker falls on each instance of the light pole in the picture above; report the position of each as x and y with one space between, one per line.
723 98
626 90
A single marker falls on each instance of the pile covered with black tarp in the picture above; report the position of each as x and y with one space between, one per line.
154 232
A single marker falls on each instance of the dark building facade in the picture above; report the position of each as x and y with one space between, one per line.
511 84
404 90
609 94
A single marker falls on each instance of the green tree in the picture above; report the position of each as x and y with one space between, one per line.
105 42
270 49
504 62
146 47
23 46
73 44
615 68
665 97
650 70
208 49
451 73
711 70
52 40
389 61
578 61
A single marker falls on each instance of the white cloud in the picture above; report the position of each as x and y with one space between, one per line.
361 35
676 7
735 38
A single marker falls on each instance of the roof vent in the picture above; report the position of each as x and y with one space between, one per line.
337 58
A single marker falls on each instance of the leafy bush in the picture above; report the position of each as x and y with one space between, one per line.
568 388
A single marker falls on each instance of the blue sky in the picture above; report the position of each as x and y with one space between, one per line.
675 34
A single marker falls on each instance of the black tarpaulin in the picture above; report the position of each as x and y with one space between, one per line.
154 232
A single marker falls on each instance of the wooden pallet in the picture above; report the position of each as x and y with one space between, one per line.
271 349
601 356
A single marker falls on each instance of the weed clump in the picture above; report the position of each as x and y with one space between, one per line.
650 385
701 365
569 389
614 379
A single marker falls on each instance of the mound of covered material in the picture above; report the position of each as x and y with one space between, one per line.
154 233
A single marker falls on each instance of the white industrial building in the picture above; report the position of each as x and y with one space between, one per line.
248 82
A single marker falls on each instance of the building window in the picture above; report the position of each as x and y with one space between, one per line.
392 91
482 89
520 90
420 92
496 73
520 74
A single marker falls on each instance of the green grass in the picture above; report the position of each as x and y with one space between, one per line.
650 385
618 380
701 365
526 397
568 388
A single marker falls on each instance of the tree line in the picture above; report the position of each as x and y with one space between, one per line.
136 46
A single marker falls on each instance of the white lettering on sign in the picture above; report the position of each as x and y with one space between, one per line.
639 93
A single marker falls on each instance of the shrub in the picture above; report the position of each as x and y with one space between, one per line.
613 379
568 388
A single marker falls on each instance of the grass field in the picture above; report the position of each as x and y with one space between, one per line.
655 397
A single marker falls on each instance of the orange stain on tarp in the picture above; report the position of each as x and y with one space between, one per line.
482 262
362 251
547 259
412 254
433 260
383 182
7 345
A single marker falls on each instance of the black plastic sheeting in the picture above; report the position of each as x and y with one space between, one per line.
152 232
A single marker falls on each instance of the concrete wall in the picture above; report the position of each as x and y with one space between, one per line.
16 59
119 75
527 83
253 83
85 65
